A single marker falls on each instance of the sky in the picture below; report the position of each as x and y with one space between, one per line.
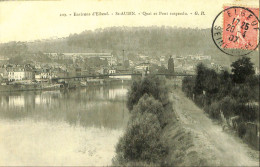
25 20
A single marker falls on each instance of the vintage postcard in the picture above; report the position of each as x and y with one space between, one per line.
129 83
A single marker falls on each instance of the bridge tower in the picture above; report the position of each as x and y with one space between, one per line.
171 65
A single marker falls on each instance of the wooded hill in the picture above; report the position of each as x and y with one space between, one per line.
151 41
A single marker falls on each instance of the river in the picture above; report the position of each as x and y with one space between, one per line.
72 127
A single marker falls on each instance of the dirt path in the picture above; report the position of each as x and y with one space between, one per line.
210 142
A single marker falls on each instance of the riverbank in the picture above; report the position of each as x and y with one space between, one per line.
50 86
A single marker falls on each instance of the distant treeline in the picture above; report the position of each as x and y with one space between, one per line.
151 41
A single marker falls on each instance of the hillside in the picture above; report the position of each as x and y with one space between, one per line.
152 41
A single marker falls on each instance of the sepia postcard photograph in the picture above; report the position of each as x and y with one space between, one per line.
129 83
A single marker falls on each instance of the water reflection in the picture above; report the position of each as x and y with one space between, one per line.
16 101
43 143
93 106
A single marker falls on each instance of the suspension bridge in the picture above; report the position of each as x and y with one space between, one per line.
103 76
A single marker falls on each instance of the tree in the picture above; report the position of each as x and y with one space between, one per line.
214 110
211 85
241 69
147 104
253 83
141 141
150 85
225 84
200 79
188 85
162 70
14 49
16 60
228 106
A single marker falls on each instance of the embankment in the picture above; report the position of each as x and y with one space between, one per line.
49 86
181 146
194 139
173 131
20 87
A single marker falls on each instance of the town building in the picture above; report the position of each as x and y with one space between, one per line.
142 67
111 71
19 74
162 61
111 59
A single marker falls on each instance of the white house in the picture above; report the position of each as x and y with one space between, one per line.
43 75
111 71
19 74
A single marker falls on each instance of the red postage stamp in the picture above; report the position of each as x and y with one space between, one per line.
240 28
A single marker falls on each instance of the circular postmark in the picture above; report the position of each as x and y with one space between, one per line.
235 30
